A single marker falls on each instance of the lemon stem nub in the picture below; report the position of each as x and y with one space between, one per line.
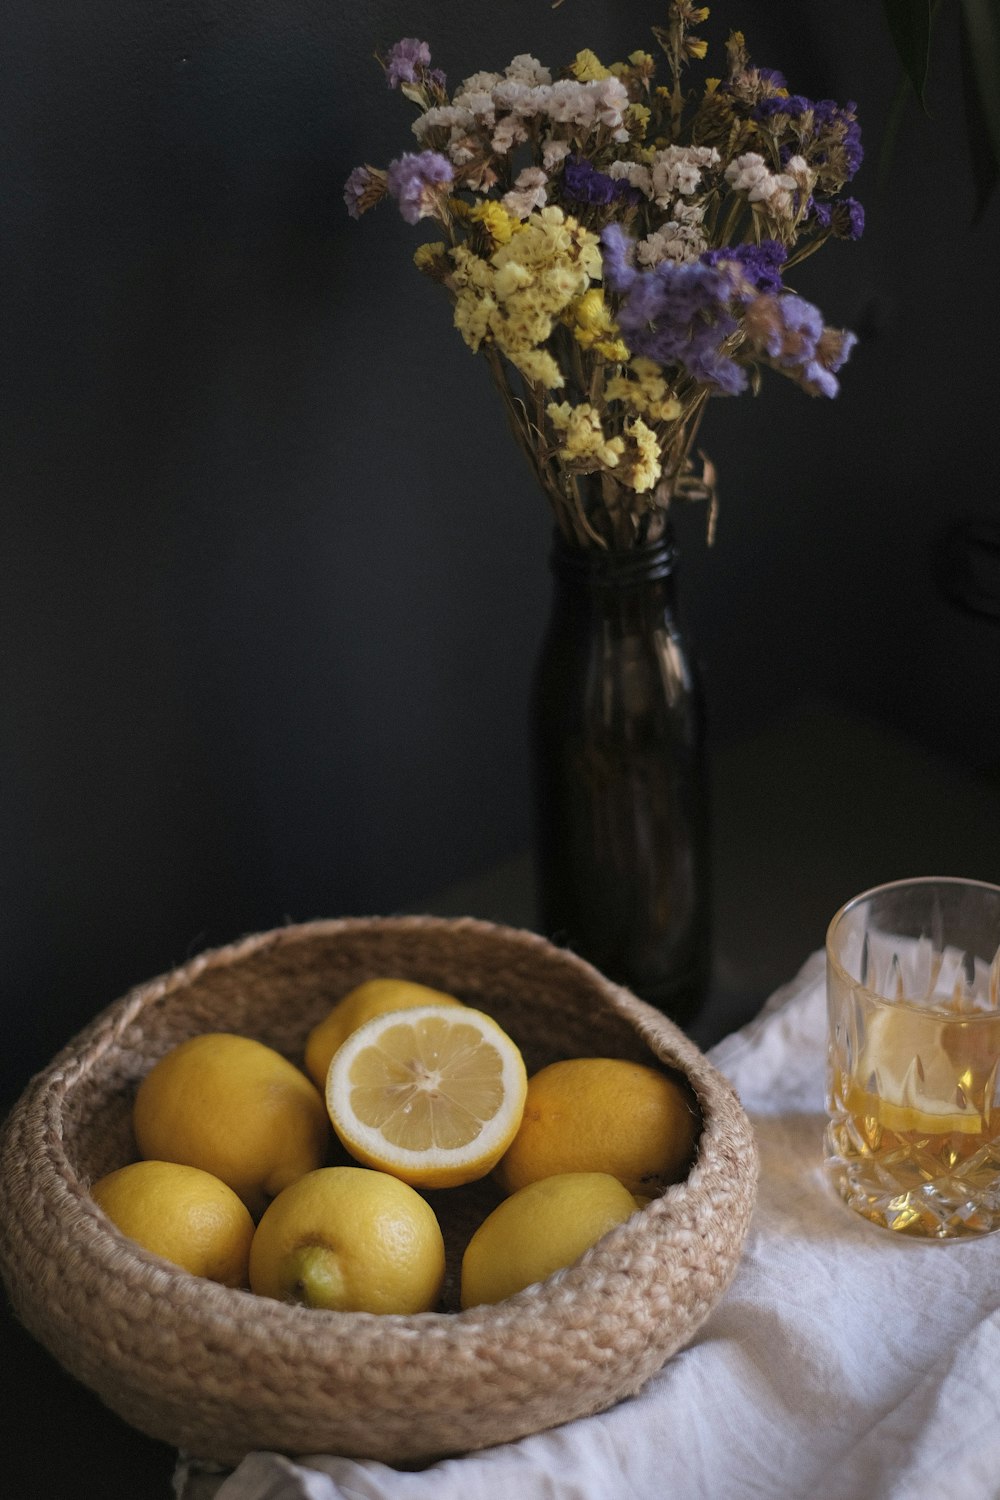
314 1277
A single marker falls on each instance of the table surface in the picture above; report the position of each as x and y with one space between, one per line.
813 809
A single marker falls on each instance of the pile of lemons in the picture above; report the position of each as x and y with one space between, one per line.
423 1093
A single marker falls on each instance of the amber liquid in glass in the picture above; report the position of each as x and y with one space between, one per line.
914 1136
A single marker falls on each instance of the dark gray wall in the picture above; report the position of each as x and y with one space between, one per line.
273 573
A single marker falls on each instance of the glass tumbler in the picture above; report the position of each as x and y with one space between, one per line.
913 1095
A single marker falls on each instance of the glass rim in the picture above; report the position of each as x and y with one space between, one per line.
913 881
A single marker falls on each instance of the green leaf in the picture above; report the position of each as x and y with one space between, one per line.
981 82
909 24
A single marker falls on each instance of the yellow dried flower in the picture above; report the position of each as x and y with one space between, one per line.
640 467
584 442
514 298
645 390
538 366
586 67
637 118
498 223
594 328
695 46
424 255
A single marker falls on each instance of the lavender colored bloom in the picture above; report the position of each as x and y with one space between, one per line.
773 77
355 189
789 332
616 254
792 105
675 314
760 264
411 177
821 213
584 183
405 58
848 219
827 115
835 347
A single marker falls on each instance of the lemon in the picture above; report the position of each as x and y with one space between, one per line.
602 1114
433 1095
235 1108
373 998
926 1071
351 1240
540 1229
182 1213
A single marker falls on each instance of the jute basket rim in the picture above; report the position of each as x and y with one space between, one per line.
220 1372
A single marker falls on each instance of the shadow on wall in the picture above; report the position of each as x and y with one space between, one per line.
274 571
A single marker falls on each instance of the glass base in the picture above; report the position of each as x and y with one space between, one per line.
944 1209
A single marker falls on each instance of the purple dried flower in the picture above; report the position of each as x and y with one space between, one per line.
675 314
760 265
829 119
358 191
616 255
584 183
792 105
848 219
789 333
820 213
405 58
411 179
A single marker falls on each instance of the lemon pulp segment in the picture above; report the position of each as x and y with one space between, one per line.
434 1095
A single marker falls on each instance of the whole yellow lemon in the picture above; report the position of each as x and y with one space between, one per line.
349 1239
603 1114
182 1213
373 998
538 1230
235 1108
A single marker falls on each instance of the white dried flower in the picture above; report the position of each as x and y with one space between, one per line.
528 193
678 170
750 174
447 116
510 132
527 69
672 241
553 152
634 173
477 83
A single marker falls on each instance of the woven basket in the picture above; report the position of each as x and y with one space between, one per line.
219 1372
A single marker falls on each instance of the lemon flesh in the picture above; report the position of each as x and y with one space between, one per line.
372 998
434 1095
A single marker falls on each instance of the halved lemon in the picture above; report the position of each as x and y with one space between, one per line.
433 1095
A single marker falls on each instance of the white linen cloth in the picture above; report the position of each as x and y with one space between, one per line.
842 1363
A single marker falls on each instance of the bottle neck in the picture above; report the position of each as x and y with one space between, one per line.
599 569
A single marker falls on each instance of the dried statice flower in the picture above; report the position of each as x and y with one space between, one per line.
412 179
628 244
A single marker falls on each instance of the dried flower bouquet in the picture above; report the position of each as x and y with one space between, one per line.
618 249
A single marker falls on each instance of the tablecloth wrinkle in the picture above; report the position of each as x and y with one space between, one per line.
842 1364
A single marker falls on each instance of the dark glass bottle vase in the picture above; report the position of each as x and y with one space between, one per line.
621 805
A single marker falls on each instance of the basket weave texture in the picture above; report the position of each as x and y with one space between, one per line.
220 1372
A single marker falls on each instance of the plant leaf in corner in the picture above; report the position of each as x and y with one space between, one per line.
909 23
981 87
